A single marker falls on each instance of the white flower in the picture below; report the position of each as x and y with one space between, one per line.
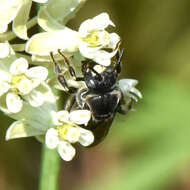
18 12
127 86
56 129
14 102
66 151
33 121
91 41
18 82
95 38
67 131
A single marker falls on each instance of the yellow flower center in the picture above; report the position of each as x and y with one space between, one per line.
97 38
15 80
68 132
93 39
62 131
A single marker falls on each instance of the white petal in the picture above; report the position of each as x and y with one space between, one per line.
99 22
136 92
62 116
66 151
51 138
20 129
80 116
4 87
102 21
35 83
86 27
72 135
103 61
48 95
40 1
46 21
128 85
20 21
37 72
86 137
19 66
35 98
4 50
36 58
13 102
114 39
128 82
88 52
104 38
9 10
104 58
39 118
3 28
5 76
43 43
25 86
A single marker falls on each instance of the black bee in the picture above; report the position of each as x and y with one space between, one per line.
102 96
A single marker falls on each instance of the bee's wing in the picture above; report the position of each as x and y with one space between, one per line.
100 129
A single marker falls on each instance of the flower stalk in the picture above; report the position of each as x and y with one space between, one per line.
50 163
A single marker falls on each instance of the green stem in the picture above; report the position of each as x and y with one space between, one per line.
49 169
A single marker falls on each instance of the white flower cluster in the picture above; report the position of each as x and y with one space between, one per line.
26 97
90 41
16 11
68 131
26 91
18 82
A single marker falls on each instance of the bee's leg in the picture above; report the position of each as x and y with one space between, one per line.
60 76
119 57
71 70
70 103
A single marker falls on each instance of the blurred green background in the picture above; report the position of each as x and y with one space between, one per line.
148 149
